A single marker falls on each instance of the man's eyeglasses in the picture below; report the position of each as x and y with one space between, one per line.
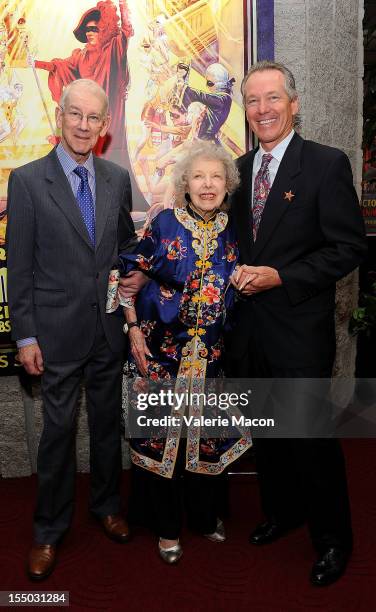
76 117
210 83
91 29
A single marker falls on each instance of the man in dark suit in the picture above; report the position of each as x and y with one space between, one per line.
68 214
300 230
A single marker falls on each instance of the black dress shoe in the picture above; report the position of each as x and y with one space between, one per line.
266 532
330 566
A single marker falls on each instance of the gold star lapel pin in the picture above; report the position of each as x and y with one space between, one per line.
289 195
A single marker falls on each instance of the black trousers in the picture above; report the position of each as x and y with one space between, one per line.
61 382
158 502
301 479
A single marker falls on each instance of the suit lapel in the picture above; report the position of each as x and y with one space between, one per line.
103 199
61 193
277 203
243 212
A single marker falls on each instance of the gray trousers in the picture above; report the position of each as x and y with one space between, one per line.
61 382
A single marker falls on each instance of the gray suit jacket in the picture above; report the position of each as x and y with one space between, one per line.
57 281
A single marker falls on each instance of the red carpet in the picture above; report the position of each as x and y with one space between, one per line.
234 576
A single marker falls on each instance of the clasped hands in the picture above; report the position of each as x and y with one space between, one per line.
249 280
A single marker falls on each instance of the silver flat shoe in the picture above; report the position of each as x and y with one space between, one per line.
170 555
219 534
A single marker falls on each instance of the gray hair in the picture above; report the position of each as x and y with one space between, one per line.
207 150
290 86
87 84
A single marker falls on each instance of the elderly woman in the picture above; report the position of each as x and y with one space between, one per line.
175 332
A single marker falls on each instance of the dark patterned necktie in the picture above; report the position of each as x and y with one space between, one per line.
261 190
85 201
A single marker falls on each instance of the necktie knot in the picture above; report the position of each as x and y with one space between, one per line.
82 172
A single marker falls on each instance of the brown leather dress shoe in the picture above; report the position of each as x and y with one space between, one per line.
41 561
116 528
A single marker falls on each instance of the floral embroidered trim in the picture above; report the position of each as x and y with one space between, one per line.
193 359
199 229
166 466
127 302
193 463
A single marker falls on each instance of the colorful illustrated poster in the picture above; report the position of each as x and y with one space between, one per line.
172 70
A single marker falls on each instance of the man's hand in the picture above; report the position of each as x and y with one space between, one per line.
254 279
139 349
131 284
30 356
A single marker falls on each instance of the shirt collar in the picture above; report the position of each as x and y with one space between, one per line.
280 149
69 164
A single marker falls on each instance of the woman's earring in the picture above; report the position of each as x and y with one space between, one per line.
187 197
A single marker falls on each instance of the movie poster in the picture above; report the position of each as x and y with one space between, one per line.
172 71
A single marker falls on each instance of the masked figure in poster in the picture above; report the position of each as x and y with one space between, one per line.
217 100
103 59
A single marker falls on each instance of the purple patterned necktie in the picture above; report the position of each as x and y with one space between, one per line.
261 190
85 201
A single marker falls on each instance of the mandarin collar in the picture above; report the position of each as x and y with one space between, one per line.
198 217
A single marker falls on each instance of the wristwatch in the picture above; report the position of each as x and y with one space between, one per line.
128 326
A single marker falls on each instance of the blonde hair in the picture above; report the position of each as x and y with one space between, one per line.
207 150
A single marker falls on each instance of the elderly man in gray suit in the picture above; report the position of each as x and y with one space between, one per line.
68 215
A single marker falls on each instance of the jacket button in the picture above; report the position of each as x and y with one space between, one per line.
94 306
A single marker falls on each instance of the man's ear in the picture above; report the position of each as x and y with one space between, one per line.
295 105
105 126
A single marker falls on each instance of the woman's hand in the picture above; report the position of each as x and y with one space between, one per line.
254 279
139 349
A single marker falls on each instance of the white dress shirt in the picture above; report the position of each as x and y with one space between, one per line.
277 153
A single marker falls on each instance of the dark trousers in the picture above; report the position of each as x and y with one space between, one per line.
301 479
158 502
61 382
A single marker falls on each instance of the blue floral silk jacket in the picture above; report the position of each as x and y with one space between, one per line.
181 312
